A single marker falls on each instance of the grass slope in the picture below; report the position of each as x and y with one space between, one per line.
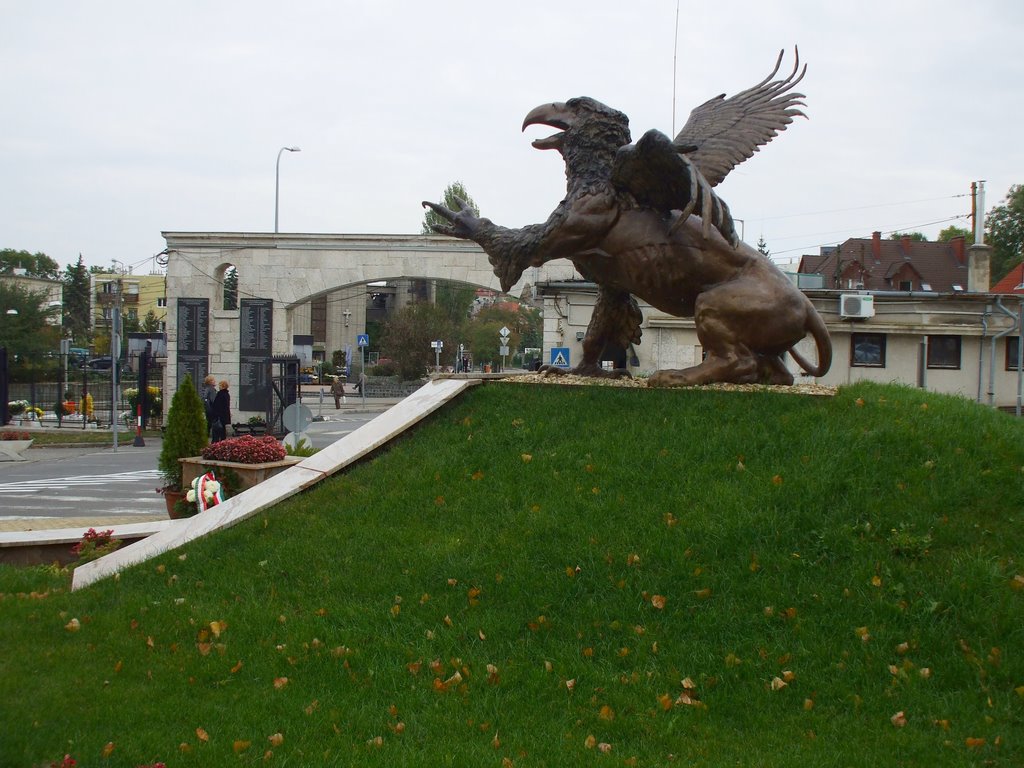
571 576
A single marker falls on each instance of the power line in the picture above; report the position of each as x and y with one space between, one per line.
885 232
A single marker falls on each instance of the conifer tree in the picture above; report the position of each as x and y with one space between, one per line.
186 432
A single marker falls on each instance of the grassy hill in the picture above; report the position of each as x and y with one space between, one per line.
570 576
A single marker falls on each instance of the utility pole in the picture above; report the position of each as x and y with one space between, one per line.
115 355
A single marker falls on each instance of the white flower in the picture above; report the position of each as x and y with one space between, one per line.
212 486
191 496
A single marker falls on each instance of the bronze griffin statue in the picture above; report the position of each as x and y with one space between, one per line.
643 220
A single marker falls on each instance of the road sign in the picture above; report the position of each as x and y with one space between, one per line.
504 332
437 344
363 340
502 350
560 357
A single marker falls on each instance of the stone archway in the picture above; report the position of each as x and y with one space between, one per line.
278 277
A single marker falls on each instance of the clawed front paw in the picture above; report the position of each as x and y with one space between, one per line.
463 223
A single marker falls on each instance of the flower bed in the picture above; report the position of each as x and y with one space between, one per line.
241 462
246 449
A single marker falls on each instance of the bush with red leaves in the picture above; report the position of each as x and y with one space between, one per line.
246 449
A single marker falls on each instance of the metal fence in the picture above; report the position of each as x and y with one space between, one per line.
45 395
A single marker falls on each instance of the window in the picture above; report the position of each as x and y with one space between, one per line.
1011 353
161 301
944 352
867 350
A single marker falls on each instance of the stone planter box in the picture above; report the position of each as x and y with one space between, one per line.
248 474
12 450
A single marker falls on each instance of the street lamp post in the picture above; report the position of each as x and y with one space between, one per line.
277 180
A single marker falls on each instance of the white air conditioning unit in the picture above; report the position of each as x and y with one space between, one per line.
856 305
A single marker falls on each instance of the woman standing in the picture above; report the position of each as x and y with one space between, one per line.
220 413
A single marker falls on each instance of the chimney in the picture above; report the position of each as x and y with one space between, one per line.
958 244
876 245
905 244
978 260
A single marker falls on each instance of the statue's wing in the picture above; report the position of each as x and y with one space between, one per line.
723 132
658 176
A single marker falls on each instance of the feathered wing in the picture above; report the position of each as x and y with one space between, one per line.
658 176
723 132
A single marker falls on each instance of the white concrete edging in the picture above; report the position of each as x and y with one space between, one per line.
311 470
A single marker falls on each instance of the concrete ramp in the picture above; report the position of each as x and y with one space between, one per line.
310 471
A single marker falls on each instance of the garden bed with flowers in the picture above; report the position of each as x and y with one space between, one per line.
239 463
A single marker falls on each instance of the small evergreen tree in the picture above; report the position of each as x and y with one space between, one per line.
186 433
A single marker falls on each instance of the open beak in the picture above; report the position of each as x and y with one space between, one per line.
557 115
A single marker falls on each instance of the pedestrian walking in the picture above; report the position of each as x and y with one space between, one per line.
221 412
207 395
338 390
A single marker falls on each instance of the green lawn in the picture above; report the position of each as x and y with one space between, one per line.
555 576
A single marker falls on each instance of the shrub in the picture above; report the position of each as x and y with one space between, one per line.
154 398
185 434
7 435
246 449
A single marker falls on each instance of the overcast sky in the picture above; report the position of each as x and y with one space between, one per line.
122 119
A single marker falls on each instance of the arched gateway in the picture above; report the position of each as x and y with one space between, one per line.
236 299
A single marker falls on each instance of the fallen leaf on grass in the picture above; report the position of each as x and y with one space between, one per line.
108 750
973 743
73 626
239 746
276 739
280 682
202 735
658 601
899 720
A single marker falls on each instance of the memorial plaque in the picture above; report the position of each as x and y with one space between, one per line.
256 326
193 339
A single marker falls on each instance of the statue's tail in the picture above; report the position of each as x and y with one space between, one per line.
816 327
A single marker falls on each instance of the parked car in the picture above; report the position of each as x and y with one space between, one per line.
98 364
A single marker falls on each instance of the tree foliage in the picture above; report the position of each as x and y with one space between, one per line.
34 264
456 299
77 306
916 237
1005 232
29 332
952 232
406 337
185 434
449 199
482 333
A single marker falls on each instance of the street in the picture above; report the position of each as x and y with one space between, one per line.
81 482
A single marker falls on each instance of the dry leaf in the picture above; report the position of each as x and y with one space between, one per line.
778 683
898 720
280 682
527 458
276 739
590 742
217 627
658 601
665 701
604 747
240 746
237 667
73 626
202 735
606 713
108 750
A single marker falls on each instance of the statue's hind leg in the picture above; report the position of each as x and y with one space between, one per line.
722 317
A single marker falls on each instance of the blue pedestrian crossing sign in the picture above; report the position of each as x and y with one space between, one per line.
362 340
560 357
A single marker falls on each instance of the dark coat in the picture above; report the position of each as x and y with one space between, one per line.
221 409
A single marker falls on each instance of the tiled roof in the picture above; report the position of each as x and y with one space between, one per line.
1012 281
939 265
